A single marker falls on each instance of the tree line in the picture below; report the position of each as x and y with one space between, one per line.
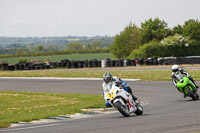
12 45
155 39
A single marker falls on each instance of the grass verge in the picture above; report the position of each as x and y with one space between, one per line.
161 75
28 106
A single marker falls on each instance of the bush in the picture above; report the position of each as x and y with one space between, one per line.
22 60
176 46
147 50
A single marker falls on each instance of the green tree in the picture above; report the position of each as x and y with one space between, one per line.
191 28
88 46
126 41
19 51
40 48
151 49
74 46
177 30
176 45
96 44
154 30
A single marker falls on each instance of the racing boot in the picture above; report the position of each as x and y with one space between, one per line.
197 86
134 97
193 82
135 100
130 91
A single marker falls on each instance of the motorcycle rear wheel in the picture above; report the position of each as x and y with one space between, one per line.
197 95
191 94
123 110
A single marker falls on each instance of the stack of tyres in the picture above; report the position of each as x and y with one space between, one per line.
80 64
99 63
4 66
128 62
59 64
63 64
141 61
160 61
53 64
119 63
42 66
112 63
146 61
86 63
132 63
16 66
90 63
94 63
74 64
21 66
155 61
27 66
103 63
69 64
11 67
107 63
137 62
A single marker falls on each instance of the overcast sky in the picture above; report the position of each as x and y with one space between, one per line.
36 18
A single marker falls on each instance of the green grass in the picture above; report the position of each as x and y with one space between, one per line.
56 58
27 106
143 75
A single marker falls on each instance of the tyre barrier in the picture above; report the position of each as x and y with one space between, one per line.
97 63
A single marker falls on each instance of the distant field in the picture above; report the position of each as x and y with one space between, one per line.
55 58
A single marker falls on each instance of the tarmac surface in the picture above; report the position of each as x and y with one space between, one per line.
167 111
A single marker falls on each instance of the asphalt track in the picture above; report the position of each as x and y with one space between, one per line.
167 111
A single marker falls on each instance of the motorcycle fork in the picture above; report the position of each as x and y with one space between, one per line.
183 90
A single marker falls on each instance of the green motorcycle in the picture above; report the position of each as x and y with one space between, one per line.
188 88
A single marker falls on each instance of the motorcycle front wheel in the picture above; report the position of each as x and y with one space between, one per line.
124 110
139 110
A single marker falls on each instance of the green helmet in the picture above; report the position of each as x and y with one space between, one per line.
107 77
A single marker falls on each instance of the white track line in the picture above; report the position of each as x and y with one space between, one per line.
24 128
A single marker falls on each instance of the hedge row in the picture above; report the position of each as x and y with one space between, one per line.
84 51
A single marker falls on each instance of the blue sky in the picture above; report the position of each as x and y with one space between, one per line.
36 18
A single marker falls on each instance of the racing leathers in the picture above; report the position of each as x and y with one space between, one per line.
178 75
118 82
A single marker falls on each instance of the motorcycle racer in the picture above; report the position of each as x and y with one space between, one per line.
178 74
109 80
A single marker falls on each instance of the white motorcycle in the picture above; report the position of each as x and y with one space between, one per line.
123 101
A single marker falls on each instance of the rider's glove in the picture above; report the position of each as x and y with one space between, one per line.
121 87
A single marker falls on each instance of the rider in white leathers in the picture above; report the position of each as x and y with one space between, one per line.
108 82
178 74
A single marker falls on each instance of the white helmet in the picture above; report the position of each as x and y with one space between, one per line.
175 68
